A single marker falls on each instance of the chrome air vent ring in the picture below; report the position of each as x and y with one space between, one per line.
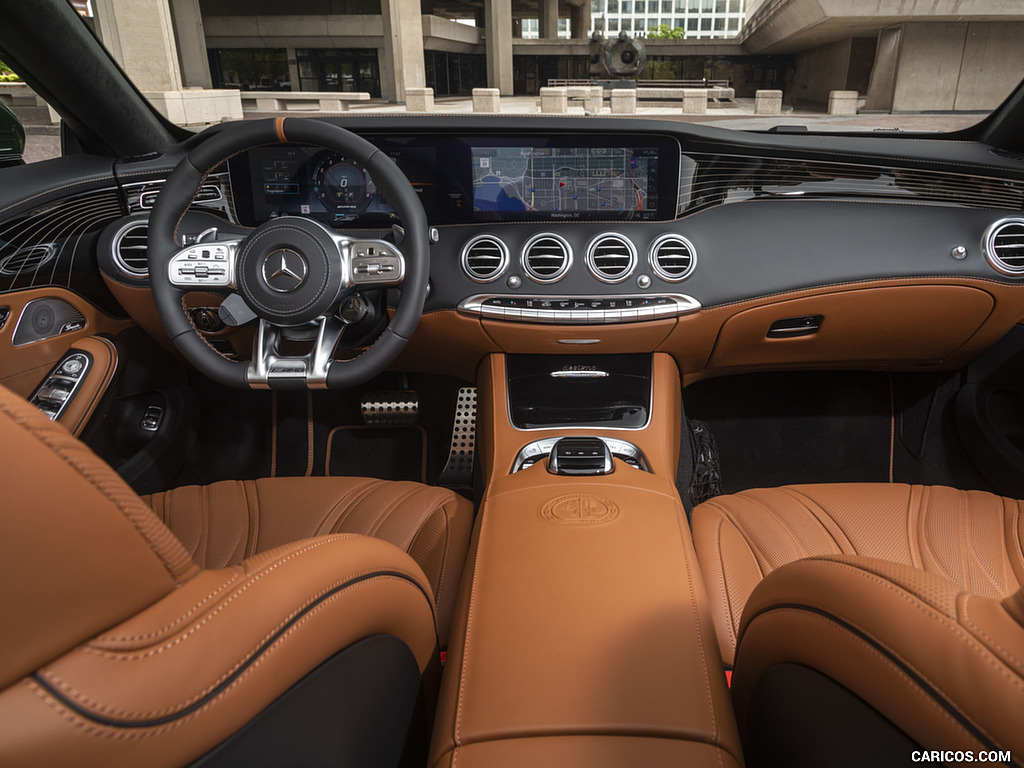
611 257
547 257
1004 247
484 258
672 257
130 249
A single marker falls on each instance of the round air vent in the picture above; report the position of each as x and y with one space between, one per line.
484 258
25 261
130 249
611 257
1004 247
673 257
546 257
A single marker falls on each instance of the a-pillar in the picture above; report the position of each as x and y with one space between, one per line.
548 21
191 41
579 20
498 21
140 36
401 65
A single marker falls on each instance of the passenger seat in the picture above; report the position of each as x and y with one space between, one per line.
867 622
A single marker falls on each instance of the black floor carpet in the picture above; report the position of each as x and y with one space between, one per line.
783 428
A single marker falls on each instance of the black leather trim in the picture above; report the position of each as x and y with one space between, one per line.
154 722
908 671
355 710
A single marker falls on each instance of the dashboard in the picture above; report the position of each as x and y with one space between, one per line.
731 251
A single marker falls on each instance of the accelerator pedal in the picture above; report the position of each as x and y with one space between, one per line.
395 408
459 469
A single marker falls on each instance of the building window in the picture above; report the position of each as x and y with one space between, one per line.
719 25
333 69
734 25
691 25
627 25
252 69
627 6
705 25
720 6
734 6
666 6
613 25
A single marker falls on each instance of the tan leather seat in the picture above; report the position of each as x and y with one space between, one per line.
869 622
116 648
224 523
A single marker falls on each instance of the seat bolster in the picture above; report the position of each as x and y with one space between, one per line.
168 685
944 666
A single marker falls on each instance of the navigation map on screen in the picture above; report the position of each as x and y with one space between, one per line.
565 182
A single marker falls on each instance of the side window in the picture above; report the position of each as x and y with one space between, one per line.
29 129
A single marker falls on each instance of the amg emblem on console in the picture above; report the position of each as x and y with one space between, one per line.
580 509
284 270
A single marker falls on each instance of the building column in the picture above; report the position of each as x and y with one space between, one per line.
401 65
548 21
498 17
579 20
140 36
293 70
517 29
191 44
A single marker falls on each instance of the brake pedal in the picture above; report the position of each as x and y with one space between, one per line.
396 408
459 469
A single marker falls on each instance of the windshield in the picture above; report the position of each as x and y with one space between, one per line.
752 65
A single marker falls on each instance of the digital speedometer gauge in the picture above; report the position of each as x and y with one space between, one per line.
341 185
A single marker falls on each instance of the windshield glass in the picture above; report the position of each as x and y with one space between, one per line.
750 65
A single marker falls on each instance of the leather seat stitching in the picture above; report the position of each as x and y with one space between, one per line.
76 465
253 509
241 542
253 577
130 733
991 640
181 619
915 526
384 515
810 505
464 666
733 619
362 493
929 611
695 612
80 697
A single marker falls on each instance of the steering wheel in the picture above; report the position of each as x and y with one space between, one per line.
291 272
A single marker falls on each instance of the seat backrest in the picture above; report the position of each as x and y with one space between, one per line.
847 660
79 551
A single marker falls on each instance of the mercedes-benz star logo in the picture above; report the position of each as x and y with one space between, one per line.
284 270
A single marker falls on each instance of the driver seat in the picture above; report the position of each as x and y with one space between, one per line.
290 638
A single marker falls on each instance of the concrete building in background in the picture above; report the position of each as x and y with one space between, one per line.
899 55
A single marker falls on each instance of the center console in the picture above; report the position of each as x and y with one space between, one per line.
582 635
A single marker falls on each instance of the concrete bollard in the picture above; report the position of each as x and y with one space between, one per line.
486 100
842 102
695 101
419 99
594 100
768 103
624 101
554 101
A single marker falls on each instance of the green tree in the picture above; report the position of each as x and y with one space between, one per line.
7 75
665 32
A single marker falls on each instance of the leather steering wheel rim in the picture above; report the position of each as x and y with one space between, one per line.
179 191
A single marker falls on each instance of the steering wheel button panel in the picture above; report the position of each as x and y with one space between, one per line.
211 265
579 310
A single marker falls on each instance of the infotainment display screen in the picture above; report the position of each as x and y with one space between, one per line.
564 182
464 179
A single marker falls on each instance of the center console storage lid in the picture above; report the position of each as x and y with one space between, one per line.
583 614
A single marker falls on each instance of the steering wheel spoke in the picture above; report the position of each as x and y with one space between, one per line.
205 266
271 369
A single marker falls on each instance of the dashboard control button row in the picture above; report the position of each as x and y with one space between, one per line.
57 390
579 310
